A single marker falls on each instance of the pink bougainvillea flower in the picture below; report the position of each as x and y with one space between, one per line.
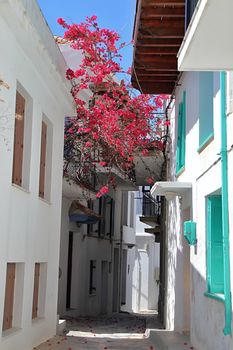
61 22
102 163
150 181
114 124
103 190
145 152
167 123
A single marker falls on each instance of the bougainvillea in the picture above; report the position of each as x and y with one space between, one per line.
114 124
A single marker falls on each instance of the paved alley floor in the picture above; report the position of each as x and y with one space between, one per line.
118 332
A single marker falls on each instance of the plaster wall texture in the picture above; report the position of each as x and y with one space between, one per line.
203 170
30 226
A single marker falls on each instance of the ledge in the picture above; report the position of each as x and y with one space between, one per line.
180 171
205 143
216 296
10 332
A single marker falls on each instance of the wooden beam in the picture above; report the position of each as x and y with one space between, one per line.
159 36
155 50
156 88
173 27
157 61
158 41
157 74
149 3
163 10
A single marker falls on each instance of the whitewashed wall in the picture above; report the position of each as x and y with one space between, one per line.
206 316
146 252
30 226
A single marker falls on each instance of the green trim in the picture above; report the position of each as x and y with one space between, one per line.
180 171
214 246
205 143
219 297
181 135
225 208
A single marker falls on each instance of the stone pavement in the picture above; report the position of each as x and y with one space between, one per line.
122 331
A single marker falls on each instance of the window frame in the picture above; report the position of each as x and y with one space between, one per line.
215 289
181 136
206 109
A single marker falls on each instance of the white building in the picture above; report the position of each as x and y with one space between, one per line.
94 262
31 142
198 277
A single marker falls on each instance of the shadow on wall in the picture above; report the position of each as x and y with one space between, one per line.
206 315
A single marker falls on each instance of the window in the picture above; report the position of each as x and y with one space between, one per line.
206 127
39 290
9 297
124 207
104 206
181 136
109 216
42 159
92 283
45 159
22 138
13 303
18 140
36 291
132 215
215 269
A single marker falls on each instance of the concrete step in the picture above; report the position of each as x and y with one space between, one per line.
168 340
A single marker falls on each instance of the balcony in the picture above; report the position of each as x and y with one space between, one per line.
151 208
158 33
208 45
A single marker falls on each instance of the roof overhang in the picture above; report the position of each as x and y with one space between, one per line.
158 33
170 189
208 44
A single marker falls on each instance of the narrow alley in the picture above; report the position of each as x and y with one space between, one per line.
120 331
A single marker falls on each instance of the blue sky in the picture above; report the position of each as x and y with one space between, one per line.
113 14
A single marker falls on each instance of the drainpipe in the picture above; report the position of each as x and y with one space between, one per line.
225 211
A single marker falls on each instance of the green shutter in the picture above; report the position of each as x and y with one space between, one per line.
206 94
181 135
215 268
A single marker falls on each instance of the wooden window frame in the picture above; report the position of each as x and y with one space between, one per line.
36 291
43 150
18 152
9 297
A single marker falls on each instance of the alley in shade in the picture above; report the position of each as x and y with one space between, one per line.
121 331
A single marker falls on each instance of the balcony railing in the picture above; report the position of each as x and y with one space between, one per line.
150 207
190 6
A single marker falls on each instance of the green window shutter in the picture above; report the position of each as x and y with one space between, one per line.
206 92
215 268
181 136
